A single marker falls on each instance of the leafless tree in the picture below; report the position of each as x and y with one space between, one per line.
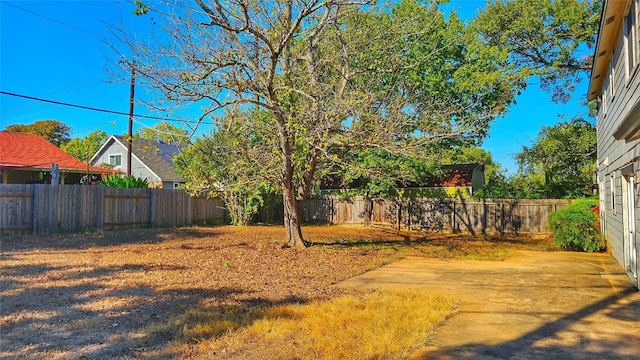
332 74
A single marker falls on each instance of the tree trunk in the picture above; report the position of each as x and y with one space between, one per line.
305 188
291 219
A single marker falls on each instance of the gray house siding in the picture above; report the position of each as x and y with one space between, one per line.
170 184
618 158
111 148
138 169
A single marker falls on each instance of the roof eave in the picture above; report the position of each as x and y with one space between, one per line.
36 168
610 21
102 148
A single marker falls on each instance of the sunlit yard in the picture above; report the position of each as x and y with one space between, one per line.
383 325
221 292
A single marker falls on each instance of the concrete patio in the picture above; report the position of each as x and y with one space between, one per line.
535 305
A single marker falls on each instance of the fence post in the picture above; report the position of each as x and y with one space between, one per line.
503 221
332 210
453 216
409 209
34 213
484 217
99 206
398 214
53 208
188 209
150 207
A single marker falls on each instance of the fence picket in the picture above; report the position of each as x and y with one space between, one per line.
487 216
44 208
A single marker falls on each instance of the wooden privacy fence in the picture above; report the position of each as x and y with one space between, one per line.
207 211
42 208
438 215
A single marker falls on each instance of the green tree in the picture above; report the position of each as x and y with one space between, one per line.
560 163
551 39
375 173
166 133
53 131
84 148
497 186
125 182
233 163
332 75
474 154
576 227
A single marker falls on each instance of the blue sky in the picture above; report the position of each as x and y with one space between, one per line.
56 50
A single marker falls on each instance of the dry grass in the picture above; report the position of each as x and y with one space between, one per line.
379 325
129 294
445 246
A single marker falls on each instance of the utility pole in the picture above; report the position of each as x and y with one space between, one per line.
130 135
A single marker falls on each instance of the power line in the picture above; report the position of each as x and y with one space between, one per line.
54 20
93 127
24 113
101 110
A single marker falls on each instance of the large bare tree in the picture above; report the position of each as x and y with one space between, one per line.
334 74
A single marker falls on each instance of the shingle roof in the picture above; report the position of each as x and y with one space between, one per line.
18 150
157 156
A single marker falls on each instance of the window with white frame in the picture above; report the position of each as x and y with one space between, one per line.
612 76
603 97
632 38
612 185
115 160
602 203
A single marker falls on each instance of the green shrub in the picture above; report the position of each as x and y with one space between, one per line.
125 182
576 227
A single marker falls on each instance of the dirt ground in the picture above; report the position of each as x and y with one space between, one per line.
121 294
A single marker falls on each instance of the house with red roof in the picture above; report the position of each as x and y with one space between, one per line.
28 159
457 180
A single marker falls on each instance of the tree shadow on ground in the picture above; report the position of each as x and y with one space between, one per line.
439 246
85 240
82 314
393 237
557 339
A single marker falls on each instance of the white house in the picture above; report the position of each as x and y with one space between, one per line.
615 82
150 160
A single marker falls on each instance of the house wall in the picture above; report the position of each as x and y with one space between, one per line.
169 185
618 157
138 169
477 179
33 177
23 177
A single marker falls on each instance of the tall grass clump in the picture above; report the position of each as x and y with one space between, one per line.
379 325
576 227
